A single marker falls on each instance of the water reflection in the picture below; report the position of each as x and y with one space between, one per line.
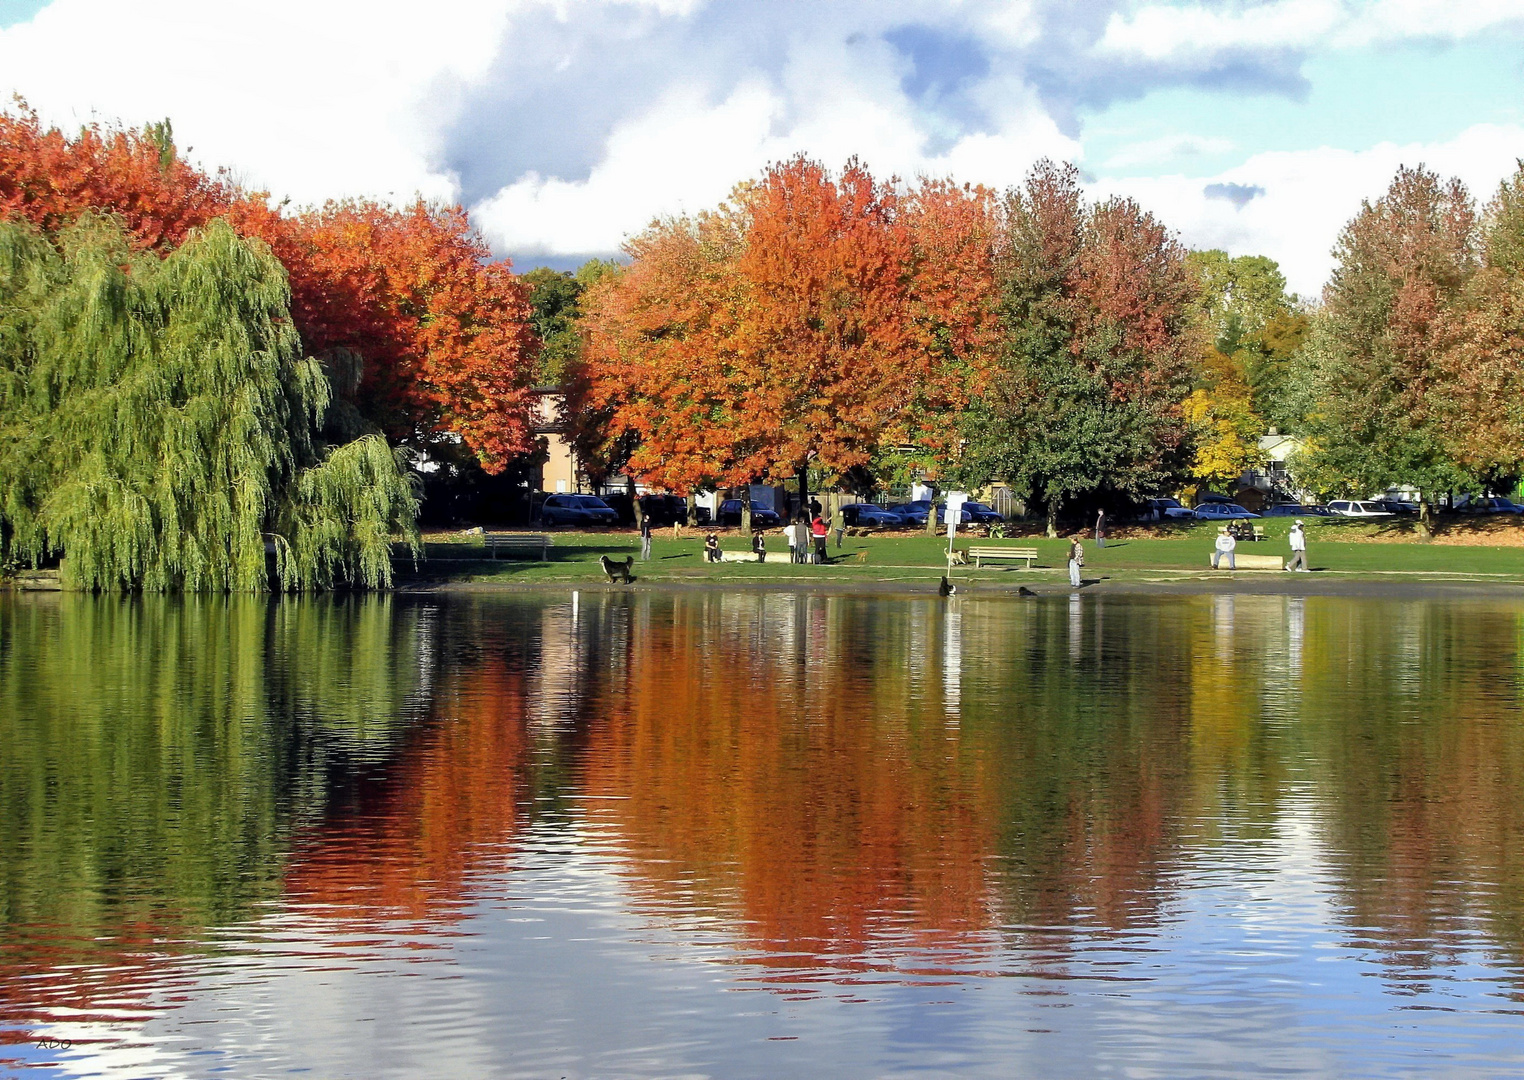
809 793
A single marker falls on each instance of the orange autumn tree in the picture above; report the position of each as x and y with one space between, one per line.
645 396
763 338
441 331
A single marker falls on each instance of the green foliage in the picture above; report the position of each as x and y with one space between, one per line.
193 736
1253 320
554 301
1086 396
157 422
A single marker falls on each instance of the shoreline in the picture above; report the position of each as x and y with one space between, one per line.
1266 583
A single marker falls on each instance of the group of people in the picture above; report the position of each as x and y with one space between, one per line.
799 536
1227 545
806 538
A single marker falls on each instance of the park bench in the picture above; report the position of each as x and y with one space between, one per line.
517 542
991 554
1252 562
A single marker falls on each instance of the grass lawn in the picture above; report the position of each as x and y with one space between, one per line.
1341 548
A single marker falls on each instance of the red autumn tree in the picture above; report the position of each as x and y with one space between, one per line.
1097 328
441 330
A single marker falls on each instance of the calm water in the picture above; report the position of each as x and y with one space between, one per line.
761 835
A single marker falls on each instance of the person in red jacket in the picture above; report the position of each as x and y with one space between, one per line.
819 531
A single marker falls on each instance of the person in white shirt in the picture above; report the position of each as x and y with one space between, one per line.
1225 546
1298 548
791 534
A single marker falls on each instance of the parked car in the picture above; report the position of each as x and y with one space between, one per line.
665 509
1396 506
982 514
1287 510
913 513
762 517
1221 511
1487 506
1165 508
1356 509
576 510
870 514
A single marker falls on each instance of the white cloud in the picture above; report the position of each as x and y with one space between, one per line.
1164 150
309 98
1309 195
1166 31
571 123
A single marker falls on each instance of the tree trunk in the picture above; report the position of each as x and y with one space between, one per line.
1425 518
803 474
692 510
635 507
931 514
1052 519
746 511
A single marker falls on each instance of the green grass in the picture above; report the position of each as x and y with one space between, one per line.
1337 548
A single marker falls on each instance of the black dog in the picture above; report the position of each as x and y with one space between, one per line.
617 571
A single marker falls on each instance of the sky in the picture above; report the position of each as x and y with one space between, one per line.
565 126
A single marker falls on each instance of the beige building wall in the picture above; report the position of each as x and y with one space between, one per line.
559 473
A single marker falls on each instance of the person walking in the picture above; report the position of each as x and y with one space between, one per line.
1100 528
818 528
1225 546
645 537
1076 560
839 524
1298 547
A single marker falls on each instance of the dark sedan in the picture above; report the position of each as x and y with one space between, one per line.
762 517
576 510
982 514
1295 510
870 515
912 514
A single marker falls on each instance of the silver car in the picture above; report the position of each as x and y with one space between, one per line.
1354 509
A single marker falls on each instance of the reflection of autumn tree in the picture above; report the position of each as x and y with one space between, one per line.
816 808
406 846
1413 714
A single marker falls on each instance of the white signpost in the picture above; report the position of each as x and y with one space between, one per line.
952 515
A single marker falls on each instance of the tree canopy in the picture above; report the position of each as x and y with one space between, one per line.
442 329
158 420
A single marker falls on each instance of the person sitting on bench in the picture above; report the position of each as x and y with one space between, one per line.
1225 546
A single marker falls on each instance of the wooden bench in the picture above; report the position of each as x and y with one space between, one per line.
980 554
1252 562
517 542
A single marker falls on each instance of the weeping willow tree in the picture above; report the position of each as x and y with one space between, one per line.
158 422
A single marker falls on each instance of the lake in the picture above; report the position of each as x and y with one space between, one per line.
760 834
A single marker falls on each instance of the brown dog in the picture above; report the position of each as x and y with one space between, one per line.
617 571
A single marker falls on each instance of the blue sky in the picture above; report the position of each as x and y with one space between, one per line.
566 125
